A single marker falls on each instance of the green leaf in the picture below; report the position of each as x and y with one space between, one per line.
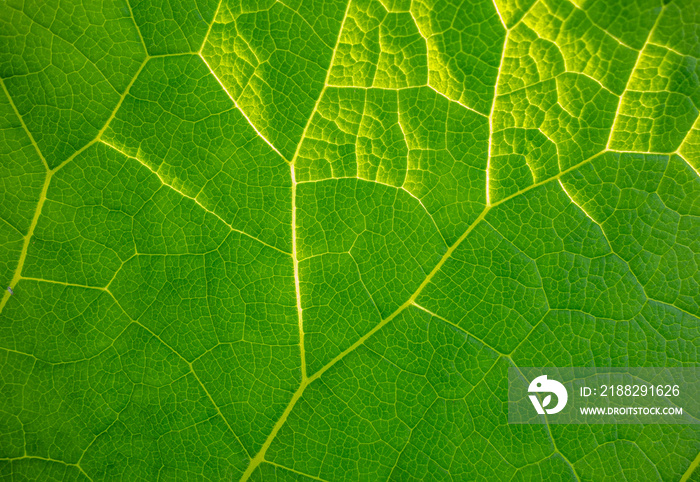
305 239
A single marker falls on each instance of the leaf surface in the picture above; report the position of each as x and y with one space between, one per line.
304 240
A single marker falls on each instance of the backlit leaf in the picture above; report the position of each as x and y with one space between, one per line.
305 239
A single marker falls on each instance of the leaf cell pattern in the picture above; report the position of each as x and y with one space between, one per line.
304 239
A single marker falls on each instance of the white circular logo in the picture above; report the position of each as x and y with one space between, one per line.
542 385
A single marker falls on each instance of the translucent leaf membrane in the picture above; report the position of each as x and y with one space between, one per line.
305 240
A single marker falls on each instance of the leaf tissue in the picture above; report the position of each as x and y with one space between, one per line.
305 239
